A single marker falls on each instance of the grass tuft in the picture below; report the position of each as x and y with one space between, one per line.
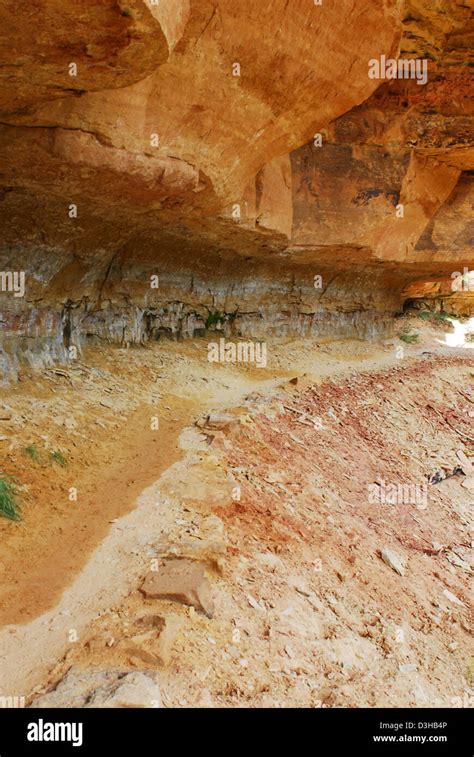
8 506
407 337
32 452
214 318
428 315
58 457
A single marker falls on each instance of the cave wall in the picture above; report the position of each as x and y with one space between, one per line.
236 151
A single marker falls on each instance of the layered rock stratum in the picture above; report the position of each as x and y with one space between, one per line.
175 167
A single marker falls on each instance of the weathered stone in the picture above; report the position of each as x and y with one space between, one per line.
209 548
467 464
182 581
140 649
156 644
453 598
223 422
270 560
392 560
95 687
132 690
408 667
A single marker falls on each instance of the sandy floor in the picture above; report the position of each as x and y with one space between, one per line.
307 614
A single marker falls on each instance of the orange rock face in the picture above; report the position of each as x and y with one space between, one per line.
52 49
236 151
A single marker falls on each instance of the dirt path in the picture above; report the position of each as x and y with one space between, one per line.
84 566
51 548
101 423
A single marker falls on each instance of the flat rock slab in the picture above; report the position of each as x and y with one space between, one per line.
155 643
182 581
133 690
95 687
393 561
228 424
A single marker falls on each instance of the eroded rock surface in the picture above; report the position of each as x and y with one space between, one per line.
106 688
181 580
242 156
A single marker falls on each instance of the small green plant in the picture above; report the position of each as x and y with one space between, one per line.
217 317
58 457
32 452
429 315
408 337
8 506
214 318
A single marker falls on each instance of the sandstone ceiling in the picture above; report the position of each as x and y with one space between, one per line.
185 140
